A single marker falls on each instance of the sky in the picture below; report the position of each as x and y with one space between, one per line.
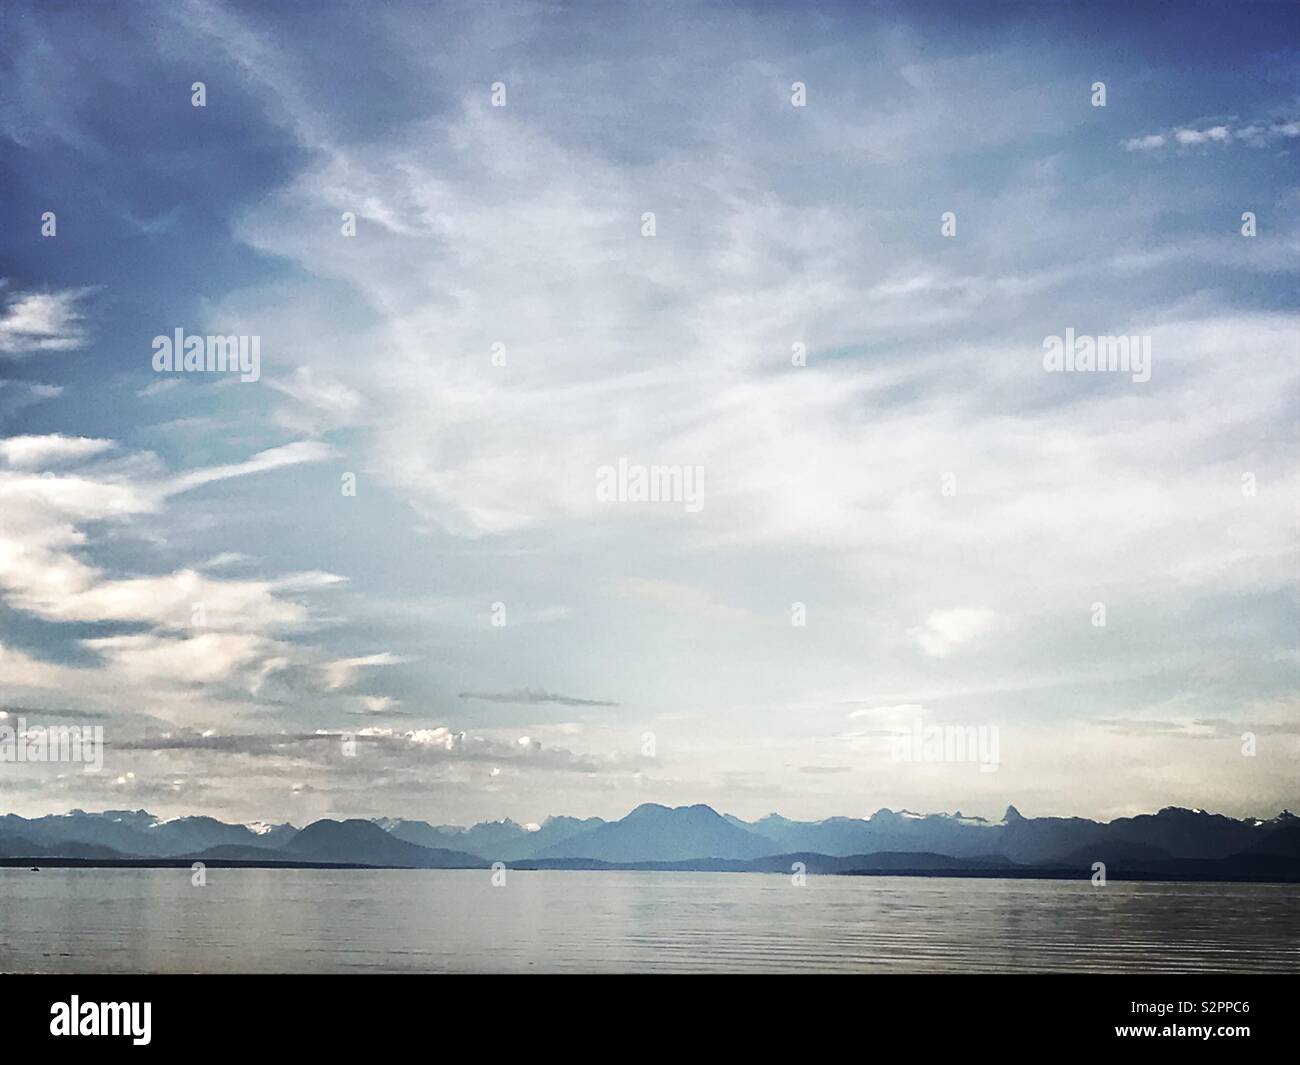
806 260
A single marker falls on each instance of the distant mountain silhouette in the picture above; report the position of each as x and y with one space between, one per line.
493 840
12 846
654 833
140 832
1283 842
1115 853
365 843
1173 843
1173 832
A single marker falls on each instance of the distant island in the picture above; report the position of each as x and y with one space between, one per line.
1173 844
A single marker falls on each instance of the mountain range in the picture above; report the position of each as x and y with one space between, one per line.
1177 842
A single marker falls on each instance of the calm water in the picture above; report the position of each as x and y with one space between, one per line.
247 920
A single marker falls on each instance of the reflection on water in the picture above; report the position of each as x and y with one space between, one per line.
253 920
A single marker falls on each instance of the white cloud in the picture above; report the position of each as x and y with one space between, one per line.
946 630
1255 135
41 571
1147 143
226 558
29 452
342 672
322 393
272 459
889 713
34 322
226 636
1218 134
208 658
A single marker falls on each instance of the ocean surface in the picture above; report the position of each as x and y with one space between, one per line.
254 920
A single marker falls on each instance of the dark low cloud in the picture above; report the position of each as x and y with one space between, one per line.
415 749
533 695
1199 729
239 743
55 714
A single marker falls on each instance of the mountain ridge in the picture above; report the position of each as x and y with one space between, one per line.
653 834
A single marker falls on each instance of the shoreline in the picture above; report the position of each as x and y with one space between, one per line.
989 873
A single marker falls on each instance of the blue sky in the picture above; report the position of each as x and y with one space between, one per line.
129 497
